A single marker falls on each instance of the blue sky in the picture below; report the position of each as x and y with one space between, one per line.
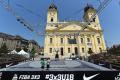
35 12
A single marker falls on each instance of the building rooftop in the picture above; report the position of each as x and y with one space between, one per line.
4 35
17 37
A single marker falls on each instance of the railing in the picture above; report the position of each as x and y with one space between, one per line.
109 65
8 61
115 66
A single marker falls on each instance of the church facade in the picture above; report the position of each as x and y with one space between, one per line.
73 37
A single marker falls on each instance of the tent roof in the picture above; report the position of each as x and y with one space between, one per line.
14 51
22 52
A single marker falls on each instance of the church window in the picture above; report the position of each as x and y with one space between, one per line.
82 40
61 40
50 40
88 39
72 41
52 19
100 49
83 50
98 40
68 50
50 50
89 50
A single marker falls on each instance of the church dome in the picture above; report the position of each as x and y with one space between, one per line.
53 6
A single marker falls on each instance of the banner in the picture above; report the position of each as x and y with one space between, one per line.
60 75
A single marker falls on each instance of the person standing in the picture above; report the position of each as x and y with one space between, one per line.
42 63
48 64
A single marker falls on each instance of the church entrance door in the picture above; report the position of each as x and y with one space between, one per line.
76 51
61 51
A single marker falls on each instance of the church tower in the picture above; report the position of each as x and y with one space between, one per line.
89 11
52 15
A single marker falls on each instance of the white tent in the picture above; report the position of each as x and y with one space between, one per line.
13 52
25 54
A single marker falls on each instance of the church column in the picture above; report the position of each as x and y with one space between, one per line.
93 43
79 48
96 44
46 48
55 46
65 45
103 42
86 47
72 47
64 53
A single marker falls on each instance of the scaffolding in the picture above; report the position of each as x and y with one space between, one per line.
22 21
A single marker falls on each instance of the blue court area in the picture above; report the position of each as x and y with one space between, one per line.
56 65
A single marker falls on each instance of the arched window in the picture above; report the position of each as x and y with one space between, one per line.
68 50
81 40
83 50
98 40
52 19
61 40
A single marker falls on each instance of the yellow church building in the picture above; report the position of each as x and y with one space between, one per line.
71 37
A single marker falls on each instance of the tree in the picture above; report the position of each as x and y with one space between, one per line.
115 50
4 49
33 53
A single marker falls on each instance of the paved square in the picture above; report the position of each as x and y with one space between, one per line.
59 65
